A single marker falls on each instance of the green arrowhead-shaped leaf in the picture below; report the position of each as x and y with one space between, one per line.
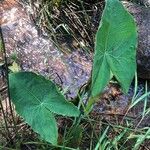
115 48
36 99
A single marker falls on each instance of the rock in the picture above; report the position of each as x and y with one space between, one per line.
37 53
145 2
142 17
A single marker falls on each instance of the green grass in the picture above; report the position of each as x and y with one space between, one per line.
71 24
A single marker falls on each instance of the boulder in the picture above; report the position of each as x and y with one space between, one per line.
142 17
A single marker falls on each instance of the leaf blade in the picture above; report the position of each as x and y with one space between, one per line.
34 95
116 39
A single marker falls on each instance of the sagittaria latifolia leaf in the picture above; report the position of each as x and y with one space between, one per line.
115 48
36 99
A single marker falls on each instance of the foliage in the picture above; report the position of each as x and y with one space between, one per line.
15 67
36 99
115 49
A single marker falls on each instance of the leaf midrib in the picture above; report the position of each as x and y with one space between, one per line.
30 93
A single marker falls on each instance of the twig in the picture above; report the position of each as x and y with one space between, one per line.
7 78
3 112
3 89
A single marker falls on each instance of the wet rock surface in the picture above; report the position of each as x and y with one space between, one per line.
142 17
37 53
